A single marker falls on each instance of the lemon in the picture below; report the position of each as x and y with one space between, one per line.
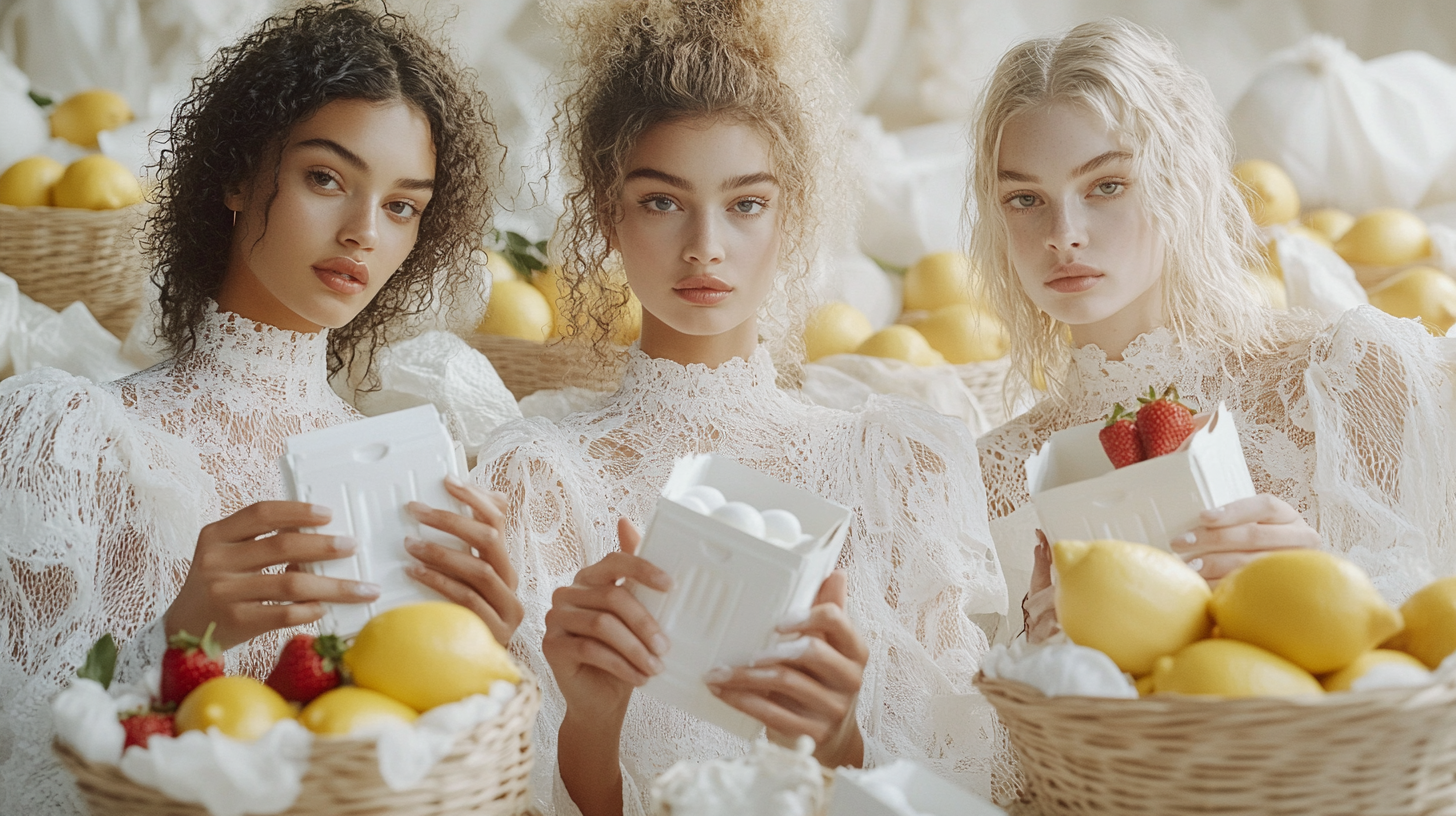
1312 234
1344 678
1145 685
28 182
1430 623
1329 222
964 334
97 183
939 279
548 283
347 709
1230 668
428 654
1312 608
900 342
1130 601
1421 292
628 327
1388 237
1268 192
240 707
835 328
500 267
80 118
517 309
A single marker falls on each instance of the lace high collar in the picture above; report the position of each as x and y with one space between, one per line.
678 385
257 352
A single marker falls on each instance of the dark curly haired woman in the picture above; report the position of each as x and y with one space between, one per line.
327 177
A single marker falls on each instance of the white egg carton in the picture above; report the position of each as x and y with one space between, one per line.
1079 495
731 590
902 788
366 472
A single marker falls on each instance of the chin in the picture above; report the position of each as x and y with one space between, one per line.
330 314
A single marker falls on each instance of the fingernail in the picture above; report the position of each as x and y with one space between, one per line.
413 544
364 590
345 544
1196 564
320 510
660 644
417 508
1186 538
717 692
717 674
661 582
761 674
1213 514
453 482
655 665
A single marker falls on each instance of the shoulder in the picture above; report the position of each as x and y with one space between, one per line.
532 446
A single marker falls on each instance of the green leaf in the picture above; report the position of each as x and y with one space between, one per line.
100 661
42 101
889 267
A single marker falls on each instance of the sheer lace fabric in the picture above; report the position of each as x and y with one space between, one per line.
1351 424
103 490
918 555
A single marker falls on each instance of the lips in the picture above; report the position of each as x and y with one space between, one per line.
343 275
1073 277
702 290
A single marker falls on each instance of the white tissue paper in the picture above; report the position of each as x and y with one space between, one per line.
902 788
768 781
407 752
70 340
1059 668
847 381
1393 675
1315 277
227 776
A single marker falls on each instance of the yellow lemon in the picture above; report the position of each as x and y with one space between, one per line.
1230 668
517 309
240 707
1312 608
80 118
28 182
1388 237
548 282
428 654
1312 234
628 328
964 334
347 709
835 328
900 342
97 183
1421 292
1430 623
1329 222
1344 678
1268 191
939 279
1145 685
1130 601
500 267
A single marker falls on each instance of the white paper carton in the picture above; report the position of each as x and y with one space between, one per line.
1079 495
730 589
366 472
902 788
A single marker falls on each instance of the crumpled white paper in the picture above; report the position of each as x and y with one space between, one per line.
407 752
1315 277
224 775
33 335
846 381
1059 668
768 781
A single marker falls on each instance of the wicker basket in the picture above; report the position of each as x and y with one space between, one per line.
487 773
1374 753
526 367
59 255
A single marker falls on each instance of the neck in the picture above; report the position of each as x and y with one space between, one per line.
1114 334
664 342
243 294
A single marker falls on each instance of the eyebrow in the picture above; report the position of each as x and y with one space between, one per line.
1087 167
658 175
359 164
747 179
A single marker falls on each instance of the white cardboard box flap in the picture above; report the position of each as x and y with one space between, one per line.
366 472
1079 495
910 786
730 590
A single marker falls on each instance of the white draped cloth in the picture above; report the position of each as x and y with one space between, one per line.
918 555
1350 423
103 491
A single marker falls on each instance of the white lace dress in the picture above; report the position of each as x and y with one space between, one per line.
103 490
1351 424
918 555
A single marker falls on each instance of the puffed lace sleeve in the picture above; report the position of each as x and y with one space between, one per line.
98 517
1378 398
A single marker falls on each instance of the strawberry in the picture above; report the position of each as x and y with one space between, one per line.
141 725
1119 438
1163 422
307 667
189 662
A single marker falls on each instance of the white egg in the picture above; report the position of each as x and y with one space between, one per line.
781 527
742 516
711 497
692 503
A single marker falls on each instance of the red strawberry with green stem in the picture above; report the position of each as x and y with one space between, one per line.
189 662
1119 438
141 725
307 667
1163 422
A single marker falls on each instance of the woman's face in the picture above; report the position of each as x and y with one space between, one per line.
698 231
352 181
1080 239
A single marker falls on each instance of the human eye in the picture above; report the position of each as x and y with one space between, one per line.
404 210
1109 188
1021 201
323 179
658 204
749 206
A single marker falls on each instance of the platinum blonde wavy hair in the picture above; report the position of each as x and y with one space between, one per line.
635 64
1182 157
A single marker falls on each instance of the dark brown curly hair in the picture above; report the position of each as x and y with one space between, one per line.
232 125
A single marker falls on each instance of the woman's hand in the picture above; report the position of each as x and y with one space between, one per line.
1039 608
814 693
483 582
226 584
1239 532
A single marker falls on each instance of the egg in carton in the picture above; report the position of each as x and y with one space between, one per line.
737 574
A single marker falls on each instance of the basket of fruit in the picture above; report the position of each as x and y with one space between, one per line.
68 232
424 713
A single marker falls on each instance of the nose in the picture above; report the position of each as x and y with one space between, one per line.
704 246
360 228
1068 228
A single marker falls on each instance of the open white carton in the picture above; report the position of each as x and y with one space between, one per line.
730 589
1079 495
905 783
366 472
